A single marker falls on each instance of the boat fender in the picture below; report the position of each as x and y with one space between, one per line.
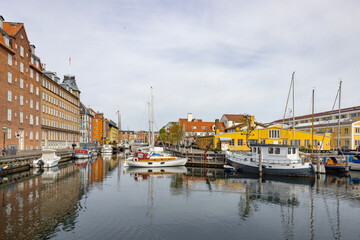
136 159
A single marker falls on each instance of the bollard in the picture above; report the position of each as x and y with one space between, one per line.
347 165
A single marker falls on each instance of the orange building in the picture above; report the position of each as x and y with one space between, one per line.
98 126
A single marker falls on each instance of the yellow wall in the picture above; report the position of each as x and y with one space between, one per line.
114 135
262 135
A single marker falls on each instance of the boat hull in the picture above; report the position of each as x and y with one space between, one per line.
152 163
47 163
78 156
306 169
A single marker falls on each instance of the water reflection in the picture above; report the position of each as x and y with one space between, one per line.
77 200
36 203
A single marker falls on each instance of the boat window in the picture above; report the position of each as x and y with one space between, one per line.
259 150
294 150
254 149
277 150
271 150
289 150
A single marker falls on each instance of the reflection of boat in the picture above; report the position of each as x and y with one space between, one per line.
81 162
48 159
179 169
106 156
50 175
107 148
332 165
82 153
142 159
281 160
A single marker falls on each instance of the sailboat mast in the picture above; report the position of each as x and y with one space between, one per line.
293 102
152 119
338 143
149 135
312 120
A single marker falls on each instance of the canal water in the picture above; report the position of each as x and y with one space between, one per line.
101 199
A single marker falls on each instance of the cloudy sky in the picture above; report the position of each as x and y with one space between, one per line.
201 56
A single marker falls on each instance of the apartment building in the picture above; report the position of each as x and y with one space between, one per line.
98 127
20 73
60 111
328 122
86 124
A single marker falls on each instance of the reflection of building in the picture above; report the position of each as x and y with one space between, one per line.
59 111
36 206
20 88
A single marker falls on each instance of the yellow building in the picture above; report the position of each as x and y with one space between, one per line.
236 141
113 132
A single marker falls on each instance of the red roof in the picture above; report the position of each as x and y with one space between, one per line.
11 29
202 126
235 117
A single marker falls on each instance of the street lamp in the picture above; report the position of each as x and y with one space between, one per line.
4 129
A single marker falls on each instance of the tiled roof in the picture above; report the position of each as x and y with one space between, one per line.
11 29
235 117
202 126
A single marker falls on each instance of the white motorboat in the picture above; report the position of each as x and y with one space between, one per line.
48 159
106 156
107 148
169 170
281 160
142 159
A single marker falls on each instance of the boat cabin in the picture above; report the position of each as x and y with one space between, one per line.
274 150
142 155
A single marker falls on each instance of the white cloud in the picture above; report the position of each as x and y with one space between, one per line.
204 57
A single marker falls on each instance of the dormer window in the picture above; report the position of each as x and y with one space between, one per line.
6 40
1 22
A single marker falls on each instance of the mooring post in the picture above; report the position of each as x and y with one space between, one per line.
347 165
260 164
318 165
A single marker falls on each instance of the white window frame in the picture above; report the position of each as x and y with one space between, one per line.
31 88
37 120
31 119
31 73
9 77
9 114
21 117
21 99
37 106
9 133
31 103
9 98
21 67
21 83
21 51
9 59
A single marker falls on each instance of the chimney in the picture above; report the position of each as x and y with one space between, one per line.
217 126
189 117
2 22
32 47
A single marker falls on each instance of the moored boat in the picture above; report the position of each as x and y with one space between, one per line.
82 153
143 159
48 159
354 162
107 148
332 165
282 160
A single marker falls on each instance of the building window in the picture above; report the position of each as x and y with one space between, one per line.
9 77
9 115
31 135
277 150
37 77
9 59
240 142
37 135
271 150
232 142
347 143
193 127
357 130
357 143
307 142
6 40
346 130
21 117
353 115
21 83
274 133
9 133
31 119
21 51
37 106
9 96
37 120
21 100
31 88
343 116
31 103
37 91
31 73
21 67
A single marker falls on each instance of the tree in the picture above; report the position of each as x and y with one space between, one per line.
163 136
176 133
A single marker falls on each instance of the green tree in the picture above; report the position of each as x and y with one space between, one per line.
176 133
163 136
